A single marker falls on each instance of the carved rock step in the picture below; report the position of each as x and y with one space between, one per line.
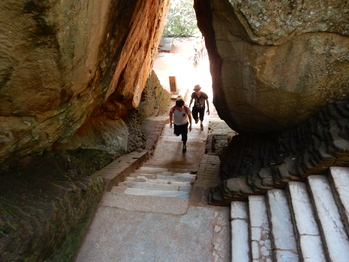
150 181
335 235
304 222
157 170
153 179
308 230
159 193
158 186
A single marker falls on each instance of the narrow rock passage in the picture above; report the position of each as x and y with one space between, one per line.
162 227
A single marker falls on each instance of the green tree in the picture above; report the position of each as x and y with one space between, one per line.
181 20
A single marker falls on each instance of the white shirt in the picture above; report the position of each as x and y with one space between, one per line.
181 117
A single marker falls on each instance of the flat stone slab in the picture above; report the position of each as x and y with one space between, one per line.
165 205
177 177
157 181
159 193
260 229
156 186
121 235
239 230
282 227
333 229
145 169
307 227
340 176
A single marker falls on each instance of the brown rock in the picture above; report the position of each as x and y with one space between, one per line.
62 60
275 64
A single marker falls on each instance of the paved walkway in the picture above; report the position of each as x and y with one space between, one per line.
155 228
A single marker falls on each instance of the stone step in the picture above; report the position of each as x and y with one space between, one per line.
157 181
141 176
308 232
165 205
157 186
159 193
150 169
260 235
285 246
169 176
304 222
182 177
340 177
240 250
331 224
179 167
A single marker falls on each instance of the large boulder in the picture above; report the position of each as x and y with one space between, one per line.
65 61
275 63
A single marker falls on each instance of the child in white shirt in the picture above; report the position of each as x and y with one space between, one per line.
180 114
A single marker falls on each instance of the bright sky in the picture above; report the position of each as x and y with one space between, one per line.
180 63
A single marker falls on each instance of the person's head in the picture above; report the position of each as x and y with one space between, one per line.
197 88
179 102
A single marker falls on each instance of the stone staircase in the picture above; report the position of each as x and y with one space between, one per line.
157 182
307 221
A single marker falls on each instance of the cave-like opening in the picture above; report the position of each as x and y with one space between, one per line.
182 60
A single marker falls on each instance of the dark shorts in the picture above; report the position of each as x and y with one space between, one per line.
198 113
181 130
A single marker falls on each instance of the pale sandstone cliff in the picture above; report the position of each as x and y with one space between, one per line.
65 62
76 80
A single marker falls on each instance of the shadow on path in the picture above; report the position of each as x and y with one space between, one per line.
131 228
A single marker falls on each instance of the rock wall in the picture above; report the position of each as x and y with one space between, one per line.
254 163
47 200
279 71
41 205
63 62
76 81
275 63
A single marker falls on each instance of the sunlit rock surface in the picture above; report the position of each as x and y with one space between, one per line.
63 62
275 63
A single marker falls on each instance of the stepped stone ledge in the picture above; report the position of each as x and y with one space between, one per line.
120 168
254 163
341 183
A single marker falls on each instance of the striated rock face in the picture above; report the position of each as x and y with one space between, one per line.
65 62
275 63
40 205
254 163
120 136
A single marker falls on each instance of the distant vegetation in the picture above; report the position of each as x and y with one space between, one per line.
181 20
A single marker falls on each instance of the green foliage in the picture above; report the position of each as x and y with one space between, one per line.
181 20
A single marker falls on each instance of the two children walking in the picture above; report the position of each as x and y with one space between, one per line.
181 115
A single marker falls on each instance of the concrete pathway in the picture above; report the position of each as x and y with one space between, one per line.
132 224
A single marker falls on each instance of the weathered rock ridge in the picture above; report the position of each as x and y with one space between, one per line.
68 65
64 63
256 162
75 74
76 81
275 63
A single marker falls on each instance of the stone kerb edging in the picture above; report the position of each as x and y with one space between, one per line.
120 168
293 155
